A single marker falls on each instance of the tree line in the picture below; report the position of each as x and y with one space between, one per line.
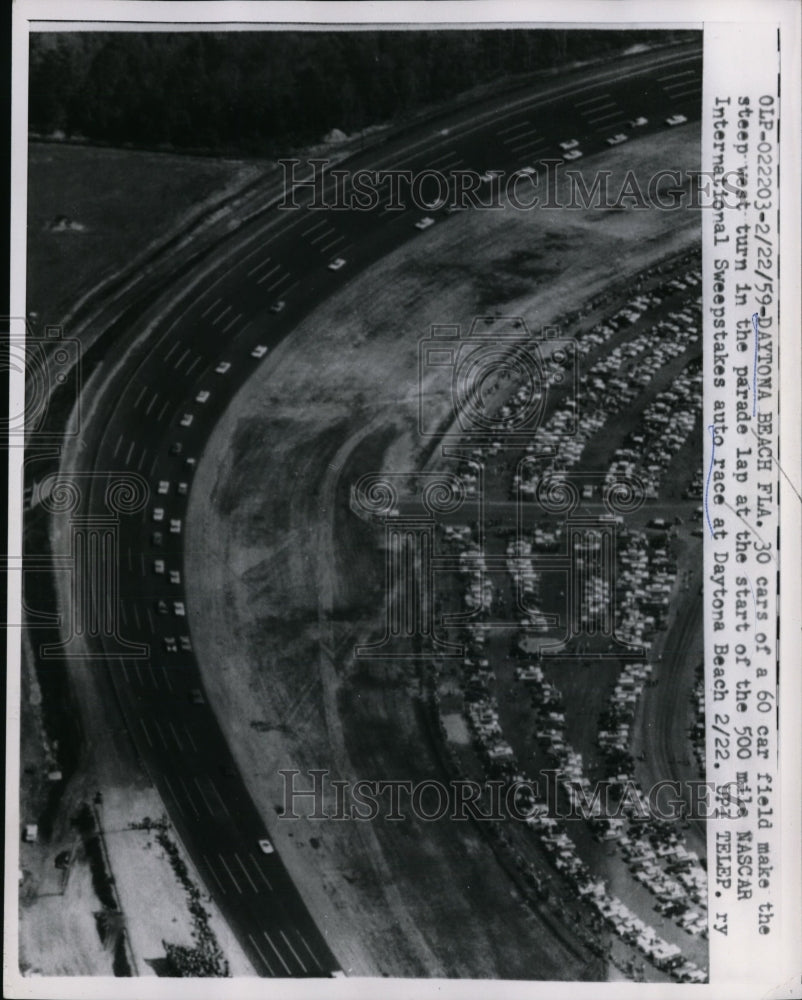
261 93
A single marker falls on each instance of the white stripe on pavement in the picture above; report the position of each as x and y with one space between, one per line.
261 955
245 872
278 953
230 875
295 953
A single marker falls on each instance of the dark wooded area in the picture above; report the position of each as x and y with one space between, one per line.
261 93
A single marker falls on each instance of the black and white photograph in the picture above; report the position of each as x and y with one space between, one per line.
386 595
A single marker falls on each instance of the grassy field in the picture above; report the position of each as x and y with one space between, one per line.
283 580
93 210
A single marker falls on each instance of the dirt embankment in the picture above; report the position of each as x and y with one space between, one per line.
284 579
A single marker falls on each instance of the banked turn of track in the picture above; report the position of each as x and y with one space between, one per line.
135 424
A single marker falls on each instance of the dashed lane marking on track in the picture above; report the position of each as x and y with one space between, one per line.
223 806
138 399
520 136
209 308
216 319
163 410
295 953
677 75
203 796
181 359
516 126
323 235
269 274
151 623
278 953
604 118
303 942
442 161
230 323
245 872
158 729
531 148
597 108
260 873
279 282
136 619
189 798
167 679
311 229
151 404
191 741
231 875
259 266
214 874
195 363
145 731
172 794
694 90
592 100
117 446
261 955
179 744
142 458
328 246
173 347
130 450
